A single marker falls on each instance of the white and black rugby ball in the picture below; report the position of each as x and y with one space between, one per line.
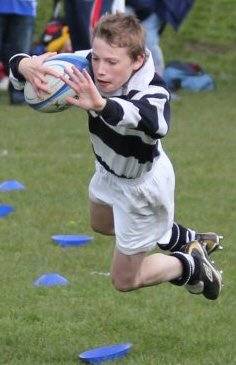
55 101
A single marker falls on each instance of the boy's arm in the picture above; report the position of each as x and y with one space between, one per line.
17 79
148 111
32 69
145 111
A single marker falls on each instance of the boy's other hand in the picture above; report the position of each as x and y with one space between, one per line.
87 95
34 71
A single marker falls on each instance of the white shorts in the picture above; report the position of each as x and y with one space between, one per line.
143 208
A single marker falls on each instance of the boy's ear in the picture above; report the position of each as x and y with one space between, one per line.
138 62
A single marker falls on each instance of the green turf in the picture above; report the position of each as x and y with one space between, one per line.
51 155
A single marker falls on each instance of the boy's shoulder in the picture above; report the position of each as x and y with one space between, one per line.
159 81
154 85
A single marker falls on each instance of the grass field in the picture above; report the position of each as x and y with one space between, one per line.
51 155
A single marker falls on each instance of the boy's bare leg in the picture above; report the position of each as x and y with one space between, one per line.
101 218
182 267
131 272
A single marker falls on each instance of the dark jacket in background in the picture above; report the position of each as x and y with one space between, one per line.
171 12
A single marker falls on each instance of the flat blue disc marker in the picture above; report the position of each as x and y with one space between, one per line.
105 353
71 239
10 185
50 279
5 209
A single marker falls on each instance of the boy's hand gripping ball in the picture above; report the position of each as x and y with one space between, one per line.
55 101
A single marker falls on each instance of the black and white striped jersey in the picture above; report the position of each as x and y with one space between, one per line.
126 135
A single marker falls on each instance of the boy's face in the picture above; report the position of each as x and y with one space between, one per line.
112 66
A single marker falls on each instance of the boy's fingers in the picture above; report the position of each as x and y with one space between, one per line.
67 81
48 55
72 101
75 75
75 70
39 87
51 71
70 72
70 78
42 78
71 83
79 74
86 75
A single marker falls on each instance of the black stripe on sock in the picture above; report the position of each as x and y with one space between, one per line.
179 237
187 269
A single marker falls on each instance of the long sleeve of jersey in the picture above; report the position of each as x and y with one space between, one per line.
145 111
15 77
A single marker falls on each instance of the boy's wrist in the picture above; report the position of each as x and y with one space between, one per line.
14 65
21 64
100 106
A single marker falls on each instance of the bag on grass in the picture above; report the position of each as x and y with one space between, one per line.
188 76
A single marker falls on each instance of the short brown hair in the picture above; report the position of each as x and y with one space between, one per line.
121 30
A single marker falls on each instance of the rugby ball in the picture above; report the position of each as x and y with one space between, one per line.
55 101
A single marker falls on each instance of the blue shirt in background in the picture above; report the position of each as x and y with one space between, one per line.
19 7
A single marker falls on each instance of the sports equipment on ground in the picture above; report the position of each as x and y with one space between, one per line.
6 209
209 282
99 355
51 279
67 240
55 101
10 185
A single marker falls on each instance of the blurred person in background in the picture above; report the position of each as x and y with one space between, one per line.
82 15
17 19
101 7
145 10
154 15
4 80
77 15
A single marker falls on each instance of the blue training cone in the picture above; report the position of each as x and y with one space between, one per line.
66 240
51 279
5 209
99 355
10 185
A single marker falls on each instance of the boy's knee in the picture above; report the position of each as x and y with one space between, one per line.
106 230
96 228
123 284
